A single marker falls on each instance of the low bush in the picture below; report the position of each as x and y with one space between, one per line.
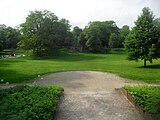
29 103
147 97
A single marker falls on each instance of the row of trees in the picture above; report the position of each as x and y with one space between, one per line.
44 33
99 36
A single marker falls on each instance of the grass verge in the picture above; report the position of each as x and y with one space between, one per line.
31 103
148 97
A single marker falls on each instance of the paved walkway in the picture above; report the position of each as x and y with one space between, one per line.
91 95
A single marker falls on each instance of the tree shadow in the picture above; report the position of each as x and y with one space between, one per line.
70 57
12 76
9 61
157 66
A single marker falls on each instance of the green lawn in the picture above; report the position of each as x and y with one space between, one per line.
27 68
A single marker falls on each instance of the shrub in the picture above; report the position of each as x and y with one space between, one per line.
24 102
146 96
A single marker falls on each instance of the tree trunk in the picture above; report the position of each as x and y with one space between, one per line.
145 63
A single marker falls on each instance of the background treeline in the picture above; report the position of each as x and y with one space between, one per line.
44 33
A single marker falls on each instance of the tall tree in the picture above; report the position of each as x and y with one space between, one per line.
76 34
38 33
43 32
142 41
12 38
98 34
9 37
115 41
2 37
82 41
93 39
157 24
124 31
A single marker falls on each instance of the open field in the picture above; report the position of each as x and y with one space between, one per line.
15 70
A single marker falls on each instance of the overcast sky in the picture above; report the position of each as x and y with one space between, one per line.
78 12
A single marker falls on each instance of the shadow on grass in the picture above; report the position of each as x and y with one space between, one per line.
9 61
117 51
157 66
70 57
12 76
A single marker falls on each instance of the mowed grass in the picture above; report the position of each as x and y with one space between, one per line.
15 70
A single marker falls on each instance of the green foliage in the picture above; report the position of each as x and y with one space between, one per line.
114 41
97 35
2 36
142 41
124 31
44 33
82 41
9 37
157 24
13 36
31 103
76 33
146 96
93 41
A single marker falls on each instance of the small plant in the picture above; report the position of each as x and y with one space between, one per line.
24 102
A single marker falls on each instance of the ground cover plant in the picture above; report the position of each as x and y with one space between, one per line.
147 97
26 68
31 103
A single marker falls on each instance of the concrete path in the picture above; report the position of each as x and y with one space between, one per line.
91 96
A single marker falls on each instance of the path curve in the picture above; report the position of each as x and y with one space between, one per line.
78 81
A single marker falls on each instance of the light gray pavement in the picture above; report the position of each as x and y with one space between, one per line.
82 81
96 106
90 95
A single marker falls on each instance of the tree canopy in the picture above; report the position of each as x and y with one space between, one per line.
9 37
97 35
115 41
124 31
44 33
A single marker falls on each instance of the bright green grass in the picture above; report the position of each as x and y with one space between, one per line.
28 68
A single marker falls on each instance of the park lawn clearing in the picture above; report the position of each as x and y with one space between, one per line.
24 102
148 97
16 70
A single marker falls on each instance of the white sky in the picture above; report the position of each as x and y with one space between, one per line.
78 12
